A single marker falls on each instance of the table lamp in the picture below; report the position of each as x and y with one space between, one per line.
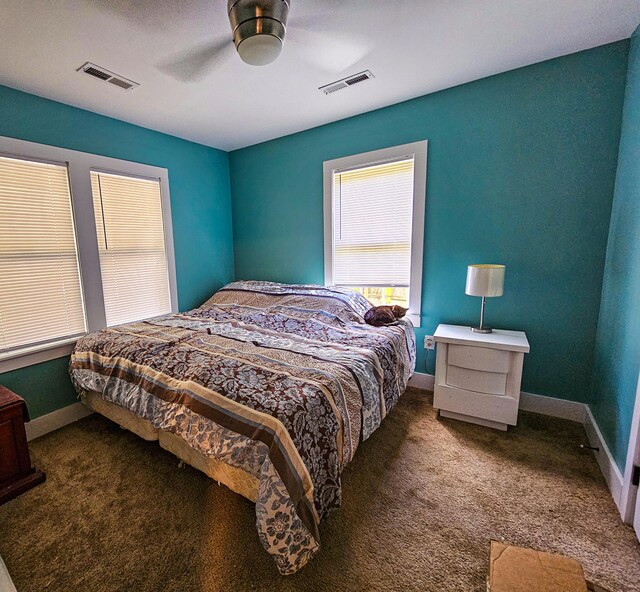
486 280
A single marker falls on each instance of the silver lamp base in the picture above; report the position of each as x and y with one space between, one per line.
482 328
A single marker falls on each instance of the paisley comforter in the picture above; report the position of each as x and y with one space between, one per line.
282 381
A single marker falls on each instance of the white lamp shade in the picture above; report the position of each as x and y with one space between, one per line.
485 280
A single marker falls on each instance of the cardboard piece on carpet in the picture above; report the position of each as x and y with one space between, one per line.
516 569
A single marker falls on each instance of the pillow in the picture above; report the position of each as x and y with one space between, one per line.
346 304
379 316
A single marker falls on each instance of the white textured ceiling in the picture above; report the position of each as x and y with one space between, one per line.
413 47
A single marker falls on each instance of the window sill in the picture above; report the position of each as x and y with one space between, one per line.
29 356
414 319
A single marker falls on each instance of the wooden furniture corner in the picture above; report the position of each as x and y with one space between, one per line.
16 473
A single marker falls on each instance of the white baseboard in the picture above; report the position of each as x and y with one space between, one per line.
422 381
55 420
571 410
608 466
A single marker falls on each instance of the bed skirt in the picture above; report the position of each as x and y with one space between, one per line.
234 478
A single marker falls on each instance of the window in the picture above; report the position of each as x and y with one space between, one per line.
133 261
374 224
85 243
40 293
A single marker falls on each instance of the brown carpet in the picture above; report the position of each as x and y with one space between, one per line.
422 499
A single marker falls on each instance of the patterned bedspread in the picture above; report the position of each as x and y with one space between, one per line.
282 381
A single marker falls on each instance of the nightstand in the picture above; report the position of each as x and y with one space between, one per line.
16 473
478 375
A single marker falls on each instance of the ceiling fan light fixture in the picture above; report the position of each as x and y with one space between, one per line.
259 50
258 29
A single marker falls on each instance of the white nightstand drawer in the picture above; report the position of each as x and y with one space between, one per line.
479 358
490 383
498 409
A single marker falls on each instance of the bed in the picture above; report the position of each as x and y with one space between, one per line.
268 388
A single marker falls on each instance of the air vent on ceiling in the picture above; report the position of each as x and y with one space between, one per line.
107 76
332 87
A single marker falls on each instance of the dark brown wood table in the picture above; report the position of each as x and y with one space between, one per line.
16 473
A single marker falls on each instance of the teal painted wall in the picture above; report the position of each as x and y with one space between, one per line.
521 171
618 338
200 209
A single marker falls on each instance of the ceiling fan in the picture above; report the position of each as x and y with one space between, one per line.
258 29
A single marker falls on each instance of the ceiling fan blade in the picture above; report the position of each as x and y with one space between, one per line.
194 64
331 52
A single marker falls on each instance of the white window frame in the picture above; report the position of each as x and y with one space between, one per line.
79 166
418 150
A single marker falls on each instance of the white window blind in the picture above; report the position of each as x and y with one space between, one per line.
133 259
372 224
40 289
